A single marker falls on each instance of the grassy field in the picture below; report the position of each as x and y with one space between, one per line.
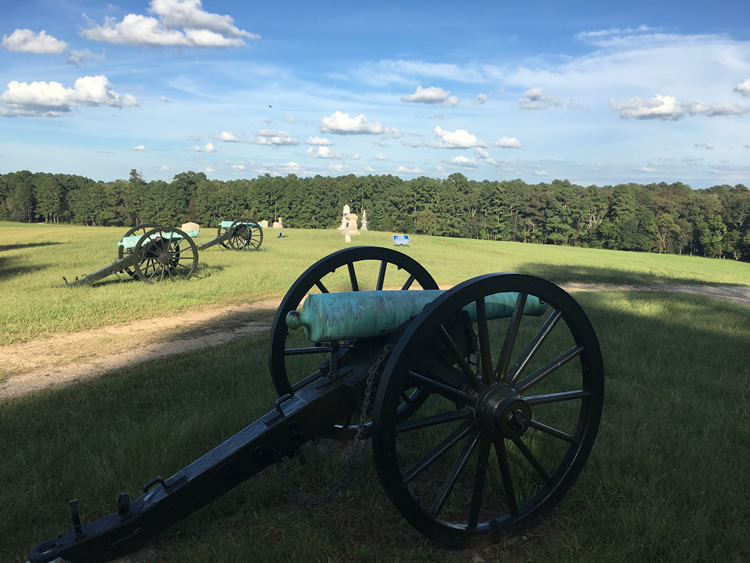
667 480
34 259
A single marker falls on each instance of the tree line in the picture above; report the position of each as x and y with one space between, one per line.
664 218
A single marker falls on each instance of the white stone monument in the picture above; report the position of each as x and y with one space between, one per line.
364 221
343 225
351 227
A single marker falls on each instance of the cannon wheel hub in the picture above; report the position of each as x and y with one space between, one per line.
501 413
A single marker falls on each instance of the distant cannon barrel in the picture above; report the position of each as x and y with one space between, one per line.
366 314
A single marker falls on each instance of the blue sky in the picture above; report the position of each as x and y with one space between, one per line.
593 92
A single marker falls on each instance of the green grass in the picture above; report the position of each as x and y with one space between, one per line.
667 480
34 258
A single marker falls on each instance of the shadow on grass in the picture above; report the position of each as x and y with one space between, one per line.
676 391
606 276
6 247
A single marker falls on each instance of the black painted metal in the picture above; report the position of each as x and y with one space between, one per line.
297 419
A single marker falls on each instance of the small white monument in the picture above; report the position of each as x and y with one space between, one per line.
343 225
277 223
364 221
351 227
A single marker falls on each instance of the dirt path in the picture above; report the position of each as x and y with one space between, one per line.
67 358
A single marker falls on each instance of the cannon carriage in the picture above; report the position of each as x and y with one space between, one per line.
151 252
482 402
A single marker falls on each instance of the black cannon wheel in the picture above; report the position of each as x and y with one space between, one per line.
165 253
512 414
292 360
246 235
138 230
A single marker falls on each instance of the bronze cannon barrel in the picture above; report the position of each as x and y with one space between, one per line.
366 314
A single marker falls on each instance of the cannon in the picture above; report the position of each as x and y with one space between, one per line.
149 252
482 402
237 234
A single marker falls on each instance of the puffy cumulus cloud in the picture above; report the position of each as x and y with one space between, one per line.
464 162
668 108
273 138
318 141
322 152
178 23
341 124
26 41
50 99
139 148
381 156
743 87
458 139
480 99
535 98
208 147
507 143
541 173
227 137
431 95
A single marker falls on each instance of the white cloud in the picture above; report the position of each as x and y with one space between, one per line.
210 170
535 98
480 99
507 143
227 137
318 141
274 138
290 118
404 71
744 87
704 146
464 161
140 148
322 152
431 95
646 169
50 99
79 57
164 168
458 139
482 154
208 147
341 124
406 170
26 41
179 23
668 108
541 173
381 156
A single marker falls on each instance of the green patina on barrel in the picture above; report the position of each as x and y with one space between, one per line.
365 314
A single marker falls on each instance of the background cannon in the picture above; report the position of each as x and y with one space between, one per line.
150 253
237 234
483 415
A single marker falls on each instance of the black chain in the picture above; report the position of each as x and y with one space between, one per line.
306 503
